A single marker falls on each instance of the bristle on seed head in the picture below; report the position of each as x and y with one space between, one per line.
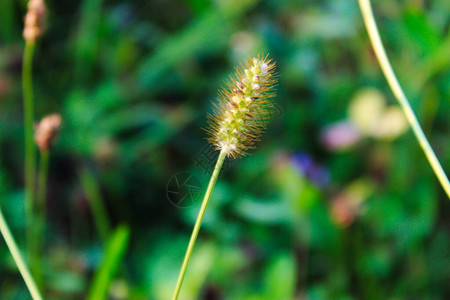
243 107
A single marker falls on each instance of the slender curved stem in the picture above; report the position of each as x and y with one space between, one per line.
198 223
30 159
385 65
23 269
39 228
95 200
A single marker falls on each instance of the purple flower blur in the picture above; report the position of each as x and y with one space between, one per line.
316 173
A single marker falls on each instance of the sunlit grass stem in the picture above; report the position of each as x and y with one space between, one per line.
30 158
385 65
235 126
198 223
23 269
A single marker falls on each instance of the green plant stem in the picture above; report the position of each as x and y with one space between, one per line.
198 223
39 228
30 159
92 191
23 269
386 67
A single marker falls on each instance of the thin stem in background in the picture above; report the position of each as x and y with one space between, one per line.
198 223
92 191
30 159
39 228
23 269
385 65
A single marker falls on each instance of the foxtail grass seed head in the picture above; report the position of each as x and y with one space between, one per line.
34 20
47 131
243 107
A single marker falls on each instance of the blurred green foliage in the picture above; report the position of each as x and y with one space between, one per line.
297 219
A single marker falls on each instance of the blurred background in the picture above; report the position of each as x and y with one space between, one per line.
337 202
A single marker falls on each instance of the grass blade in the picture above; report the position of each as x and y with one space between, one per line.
114 254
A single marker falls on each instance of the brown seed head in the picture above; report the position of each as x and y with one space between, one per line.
46 131
34 20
